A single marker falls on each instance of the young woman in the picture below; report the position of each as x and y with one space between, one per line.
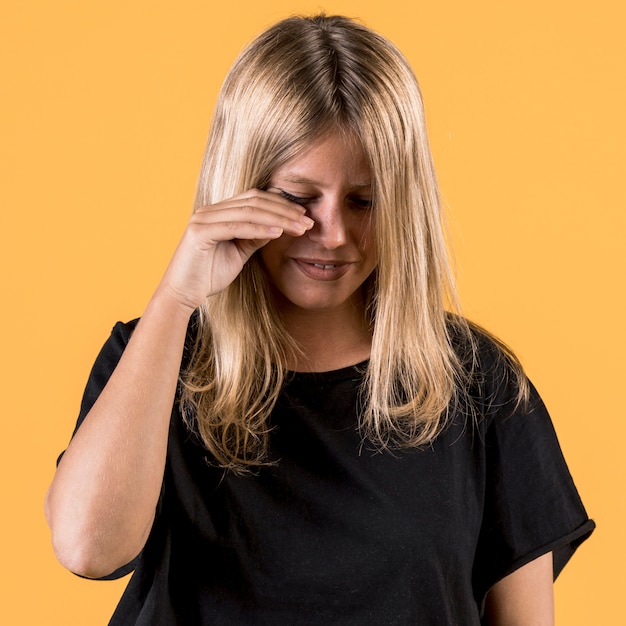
301 429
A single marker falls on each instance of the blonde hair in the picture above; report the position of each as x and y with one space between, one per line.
301 78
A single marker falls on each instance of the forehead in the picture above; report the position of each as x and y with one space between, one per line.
335 157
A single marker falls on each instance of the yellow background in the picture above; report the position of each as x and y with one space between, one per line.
104 112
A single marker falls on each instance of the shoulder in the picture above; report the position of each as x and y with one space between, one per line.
477 347
490 376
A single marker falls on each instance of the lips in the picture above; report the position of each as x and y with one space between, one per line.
318 269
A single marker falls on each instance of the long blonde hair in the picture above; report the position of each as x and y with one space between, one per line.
299 79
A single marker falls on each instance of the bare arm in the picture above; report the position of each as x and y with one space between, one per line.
525 597
102 501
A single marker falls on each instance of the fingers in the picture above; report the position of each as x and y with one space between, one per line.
220 239
253 215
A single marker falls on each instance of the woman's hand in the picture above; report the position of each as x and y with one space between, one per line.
102 501
220 239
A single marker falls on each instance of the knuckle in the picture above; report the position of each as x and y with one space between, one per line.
247 208
197 229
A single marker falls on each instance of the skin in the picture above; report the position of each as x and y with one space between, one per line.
317 278
102 501
525 597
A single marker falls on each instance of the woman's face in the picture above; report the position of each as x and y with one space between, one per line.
325 268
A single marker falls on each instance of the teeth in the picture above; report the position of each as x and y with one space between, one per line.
323 267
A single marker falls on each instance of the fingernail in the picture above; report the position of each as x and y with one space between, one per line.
307 221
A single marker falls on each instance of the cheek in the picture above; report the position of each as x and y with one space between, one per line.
273 252
367 238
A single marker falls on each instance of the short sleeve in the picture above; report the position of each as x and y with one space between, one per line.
531 503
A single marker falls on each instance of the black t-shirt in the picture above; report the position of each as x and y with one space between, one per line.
338 533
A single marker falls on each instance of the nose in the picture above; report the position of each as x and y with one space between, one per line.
330 229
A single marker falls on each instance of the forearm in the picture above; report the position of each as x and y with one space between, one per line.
102 501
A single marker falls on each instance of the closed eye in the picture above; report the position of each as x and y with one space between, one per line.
358 203
362 203
297 199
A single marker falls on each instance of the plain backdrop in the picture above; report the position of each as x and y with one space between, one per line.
105 108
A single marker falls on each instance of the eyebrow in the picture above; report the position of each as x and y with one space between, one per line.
303 180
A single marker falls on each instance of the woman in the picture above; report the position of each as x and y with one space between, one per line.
300 430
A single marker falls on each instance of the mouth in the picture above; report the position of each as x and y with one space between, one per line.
318 270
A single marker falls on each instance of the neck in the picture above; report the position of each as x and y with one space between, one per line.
328 340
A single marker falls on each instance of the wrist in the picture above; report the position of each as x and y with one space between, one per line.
165 302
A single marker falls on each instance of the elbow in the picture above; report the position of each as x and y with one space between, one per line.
87 558
80 548
80 553
79 560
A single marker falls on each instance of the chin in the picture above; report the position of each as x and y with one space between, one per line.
320 303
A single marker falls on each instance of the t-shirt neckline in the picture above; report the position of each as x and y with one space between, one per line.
343 373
